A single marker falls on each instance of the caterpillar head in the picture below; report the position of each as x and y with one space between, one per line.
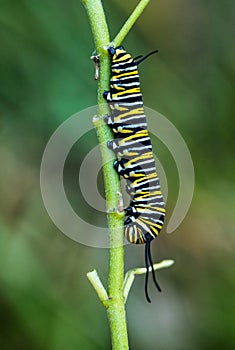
119 55
116 51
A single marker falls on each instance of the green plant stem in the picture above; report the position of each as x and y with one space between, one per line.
130 22
98 286
115 304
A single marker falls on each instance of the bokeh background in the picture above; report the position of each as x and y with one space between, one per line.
46 302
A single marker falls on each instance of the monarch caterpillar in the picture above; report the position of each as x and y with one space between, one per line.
132 146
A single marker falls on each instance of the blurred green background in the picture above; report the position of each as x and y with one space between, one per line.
46 302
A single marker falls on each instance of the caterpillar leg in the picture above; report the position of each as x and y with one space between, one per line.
119 167
108 118
129 210
107 96
113 145
110 121
129 189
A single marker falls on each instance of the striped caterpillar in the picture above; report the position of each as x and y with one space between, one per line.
132 146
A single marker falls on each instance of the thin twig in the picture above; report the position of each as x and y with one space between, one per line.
98 286
130 22
130 275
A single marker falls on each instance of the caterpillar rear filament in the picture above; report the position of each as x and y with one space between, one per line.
133 148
